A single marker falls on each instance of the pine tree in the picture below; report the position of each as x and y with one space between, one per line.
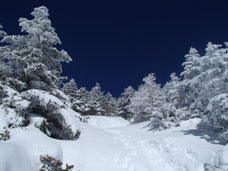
124 102
81 103
174 108
2 33
32 56
4 68
147 101
189 87
171 89
213 95
191 64
34 76
95 99
109 105
70 88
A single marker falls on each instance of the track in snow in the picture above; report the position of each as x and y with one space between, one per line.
134 148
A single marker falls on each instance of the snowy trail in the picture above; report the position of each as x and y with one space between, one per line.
146 154
134 148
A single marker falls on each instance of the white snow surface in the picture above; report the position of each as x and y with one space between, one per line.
116 146
104 122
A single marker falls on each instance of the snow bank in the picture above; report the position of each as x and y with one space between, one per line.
23 150
43 96
104 122
3 121
14 157
71 118
92 151
220 161
110 143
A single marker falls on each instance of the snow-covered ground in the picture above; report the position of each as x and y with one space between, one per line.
134 148
111 144
104 122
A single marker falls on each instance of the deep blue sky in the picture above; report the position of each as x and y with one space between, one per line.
117 43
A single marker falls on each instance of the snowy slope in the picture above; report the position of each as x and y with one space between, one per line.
115 146
103 122
23 150
134 148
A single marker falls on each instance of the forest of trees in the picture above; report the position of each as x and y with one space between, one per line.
31 65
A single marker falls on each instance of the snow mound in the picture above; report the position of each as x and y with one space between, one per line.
104 122
134 148
14 157
23 150
220 162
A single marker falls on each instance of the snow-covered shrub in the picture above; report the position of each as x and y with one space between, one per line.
5 136
182 114
161 124
84 118
13 107
58 131
219 162
209 167
3 94
217 116
51 164
16 84
49 107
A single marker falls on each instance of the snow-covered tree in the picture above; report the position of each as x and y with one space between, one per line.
83 104
189 87
4 68
33 77
70 88
34 58
109 105
2 33
147 102
95 99
171 89
214 90
191 64
124 102
174 106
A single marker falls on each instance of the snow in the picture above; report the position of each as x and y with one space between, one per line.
221 159
44 96
71 118
14 157
134 148
3 121
103 122
23 150
110 143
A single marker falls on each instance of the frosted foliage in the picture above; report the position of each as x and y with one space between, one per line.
70 89
147 101
40 27
33 57
2 33
171 89
124 102
217 115
41 12
109 105
4 68
191 64
204 88
95 98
